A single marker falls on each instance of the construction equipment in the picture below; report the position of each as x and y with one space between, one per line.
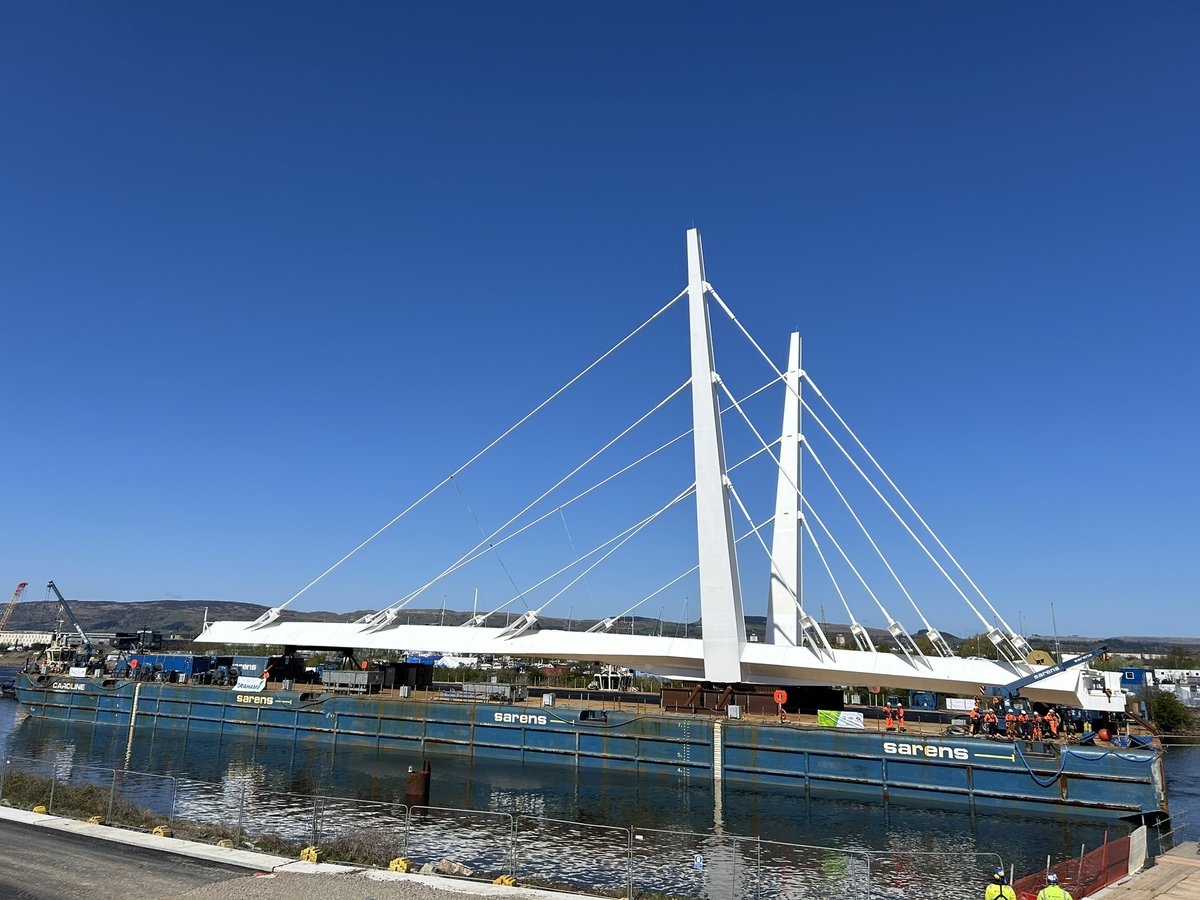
88 646
8 610
1012 690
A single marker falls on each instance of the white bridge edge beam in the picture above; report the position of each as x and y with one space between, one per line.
682 658
783 614
724 626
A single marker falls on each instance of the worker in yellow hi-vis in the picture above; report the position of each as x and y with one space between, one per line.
1053 891
999 888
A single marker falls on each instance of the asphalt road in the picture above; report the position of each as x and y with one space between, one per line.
40 864
44 864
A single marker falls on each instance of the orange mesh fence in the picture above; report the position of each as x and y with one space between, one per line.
1084 875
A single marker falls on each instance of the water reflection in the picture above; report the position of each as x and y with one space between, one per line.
265 777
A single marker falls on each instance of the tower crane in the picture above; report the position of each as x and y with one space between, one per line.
8 610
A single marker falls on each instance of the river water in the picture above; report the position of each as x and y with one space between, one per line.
595 797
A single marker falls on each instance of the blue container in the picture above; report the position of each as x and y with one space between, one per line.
251 666
186 663
1132 679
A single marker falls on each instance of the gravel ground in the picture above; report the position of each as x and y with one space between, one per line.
287 886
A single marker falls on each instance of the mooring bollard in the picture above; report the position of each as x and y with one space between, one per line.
416 788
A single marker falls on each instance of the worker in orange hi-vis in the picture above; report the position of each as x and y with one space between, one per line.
1052 721
889 723
900 717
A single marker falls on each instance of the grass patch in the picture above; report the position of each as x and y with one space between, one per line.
366 846
25 791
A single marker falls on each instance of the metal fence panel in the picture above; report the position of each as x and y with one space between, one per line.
362 831
28 782
81 792
141 800
794 871
693 865
207 811
482 841
571 856
278 822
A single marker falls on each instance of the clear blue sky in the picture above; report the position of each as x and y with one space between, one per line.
268 271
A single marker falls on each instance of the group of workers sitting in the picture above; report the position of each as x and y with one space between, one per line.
1015 723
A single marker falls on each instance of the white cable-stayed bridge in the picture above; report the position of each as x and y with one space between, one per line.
871 589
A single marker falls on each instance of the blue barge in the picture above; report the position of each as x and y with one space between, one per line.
961 772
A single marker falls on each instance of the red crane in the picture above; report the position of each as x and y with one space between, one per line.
8 610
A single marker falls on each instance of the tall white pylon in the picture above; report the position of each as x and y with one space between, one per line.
783 614
720 587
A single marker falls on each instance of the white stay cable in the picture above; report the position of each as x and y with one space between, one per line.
266 616
481 619
791 589
491 546
570 540
913 509
693 569
864 475
625 540
627 533
762 543
382 614
846 559
812 536
894 627
899 518
483 551
782 580
622 535
870 539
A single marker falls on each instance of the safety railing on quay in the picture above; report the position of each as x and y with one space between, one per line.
565 855
1175 831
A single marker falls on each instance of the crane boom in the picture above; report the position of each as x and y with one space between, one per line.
1013 690
62 601
8 610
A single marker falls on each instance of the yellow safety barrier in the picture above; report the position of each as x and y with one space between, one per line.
40 809
96 820
225 844
312 854
399 864
506 880
163 831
